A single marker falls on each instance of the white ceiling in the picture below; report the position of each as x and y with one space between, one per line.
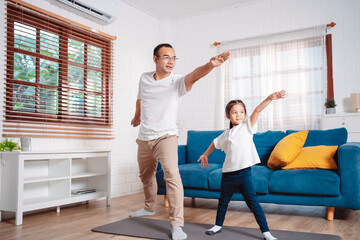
175 9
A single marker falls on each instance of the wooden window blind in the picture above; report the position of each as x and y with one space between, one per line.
58 77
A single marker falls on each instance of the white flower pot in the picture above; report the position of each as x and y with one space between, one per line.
330 110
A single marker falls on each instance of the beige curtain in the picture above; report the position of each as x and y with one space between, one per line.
294 61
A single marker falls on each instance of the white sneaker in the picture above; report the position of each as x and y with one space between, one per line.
177 233
141 212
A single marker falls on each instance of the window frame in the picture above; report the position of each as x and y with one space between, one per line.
62 30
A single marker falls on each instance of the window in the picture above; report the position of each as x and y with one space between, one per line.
57 74
296 63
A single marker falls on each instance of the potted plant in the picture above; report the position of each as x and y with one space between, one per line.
8 145
330 106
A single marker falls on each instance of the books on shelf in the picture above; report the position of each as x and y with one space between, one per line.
83 191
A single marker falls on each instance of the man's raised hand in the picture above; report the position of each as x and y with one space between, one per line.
219 59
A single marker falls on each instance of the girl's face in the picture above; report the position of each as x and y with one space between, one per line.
237 114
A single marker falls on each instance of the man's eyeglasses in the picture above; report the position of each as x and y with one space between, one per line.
167 58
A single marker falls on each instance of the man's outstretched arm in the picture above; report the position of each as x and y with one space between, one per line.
201 71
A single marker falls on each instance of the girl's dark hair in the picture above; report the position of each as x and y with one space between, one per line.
157 48
230 105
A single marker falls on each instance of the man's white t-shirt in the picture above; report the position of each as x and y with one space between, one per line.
239 147
159 105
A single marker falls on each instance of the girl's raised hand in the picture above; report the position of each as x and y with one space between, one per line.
204 161
278 95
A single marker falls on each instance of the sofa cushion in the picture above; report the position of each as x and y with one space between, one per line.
265 143
305 182
314 157
182 154
198 142
260 175
192 175
215 179
287 149
331 137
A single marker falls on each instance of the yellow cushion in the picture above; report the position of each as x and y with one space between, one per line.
315 157
287 149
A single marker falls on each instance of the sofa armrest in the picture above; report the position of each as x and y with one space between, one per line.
181 156
349 170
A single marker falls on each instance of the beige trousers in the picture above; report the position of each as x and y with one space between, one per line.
164 150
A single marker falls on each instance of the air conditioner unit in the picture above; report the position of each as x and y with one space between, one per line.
86 8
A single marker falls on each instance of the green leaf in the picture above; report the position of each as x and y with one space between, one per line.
9 145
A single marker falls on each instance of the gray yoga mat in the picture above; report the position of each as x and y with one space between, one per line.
160 229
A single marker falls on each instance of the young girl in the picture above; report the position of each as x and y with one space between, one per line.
238 145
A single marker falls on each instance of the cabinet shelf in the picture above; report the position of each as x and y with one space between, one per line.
85 196
43 179
38 180
87 174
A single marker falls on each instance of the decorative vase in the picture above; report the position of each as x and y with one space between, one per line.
25 143
330 110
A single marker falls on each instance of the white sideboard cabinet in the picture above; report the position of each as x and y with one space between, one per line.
38 180
350 121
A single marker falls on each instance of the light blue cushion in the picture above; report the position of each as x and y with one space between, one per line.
198 142
192 175
182 154
215 179
265 143
260 176
305 182
331 137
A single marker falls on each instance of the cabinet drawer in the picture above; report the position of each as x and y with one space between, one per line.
351 123
333 122
354 137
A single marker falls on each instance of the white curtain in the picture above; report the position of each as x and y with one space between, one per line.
294 61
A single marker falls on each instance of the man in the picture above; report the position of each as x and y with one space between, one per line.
156 110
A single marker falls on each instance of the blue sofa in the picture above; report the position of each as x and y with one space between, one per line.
315 187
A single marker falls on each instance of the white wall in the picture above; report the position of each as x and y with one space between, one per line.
137 34
193 36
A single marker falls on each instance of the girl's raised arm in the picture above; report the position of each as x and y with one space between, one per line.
274 96
203 158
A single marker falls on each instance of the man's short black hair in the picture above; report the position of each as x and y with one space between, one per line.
156 50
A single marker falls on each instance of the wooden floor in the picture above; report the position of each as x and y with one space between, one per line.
76 222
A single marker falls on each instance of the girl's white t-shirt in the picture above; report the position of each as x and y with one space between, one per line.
239 147
159 105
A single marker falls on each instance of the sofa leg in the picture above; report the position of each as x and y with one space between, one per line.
330 213
166 203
